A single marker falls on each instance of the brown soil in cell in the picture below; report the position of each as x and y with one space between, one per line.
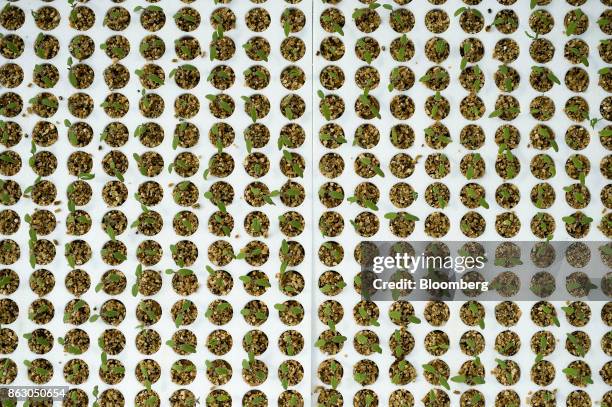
11 76
151 76
112 341
577 137
472 137
605 108
76 371
47 75
576 22
332 20
332 77
12 133
257 134
293 20
293 49
437 195
543 373
368 49
39 311
576 109
578 373
12 46
605 167
255 342
472 166
578 343
507 313
542 196
542 137
436 78
81 47
10 281
293 77
542 225
436 372
576 79
401 78
506 50
437 107
436 313
437 49
184 342
148 341
472 80
46 46
367 77
187 19
401 342
331 194
576 51
472 224
10 163
506 21
187 77
542 344
437 165
188 48
290 373
437 21
605 50
577 313
117 18
473 195
366 342
152 18
437 224
39 371
541 21
80 134
256 373
507 195
577 195
544 314
365 372
223 17
471 50
471 20
41 282
40 341
367 165
292 106
12 17
472 343
257 19
542 167
116 47
44 105
507 372
80 163
507 224
402 49
367 20
13 104
44 133
366 136
331 253
77 282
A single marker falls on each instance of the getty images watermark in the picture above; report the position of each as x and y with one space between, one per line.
487 271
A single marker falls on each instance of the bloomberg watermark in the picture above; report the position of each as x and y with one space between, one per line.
487 271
